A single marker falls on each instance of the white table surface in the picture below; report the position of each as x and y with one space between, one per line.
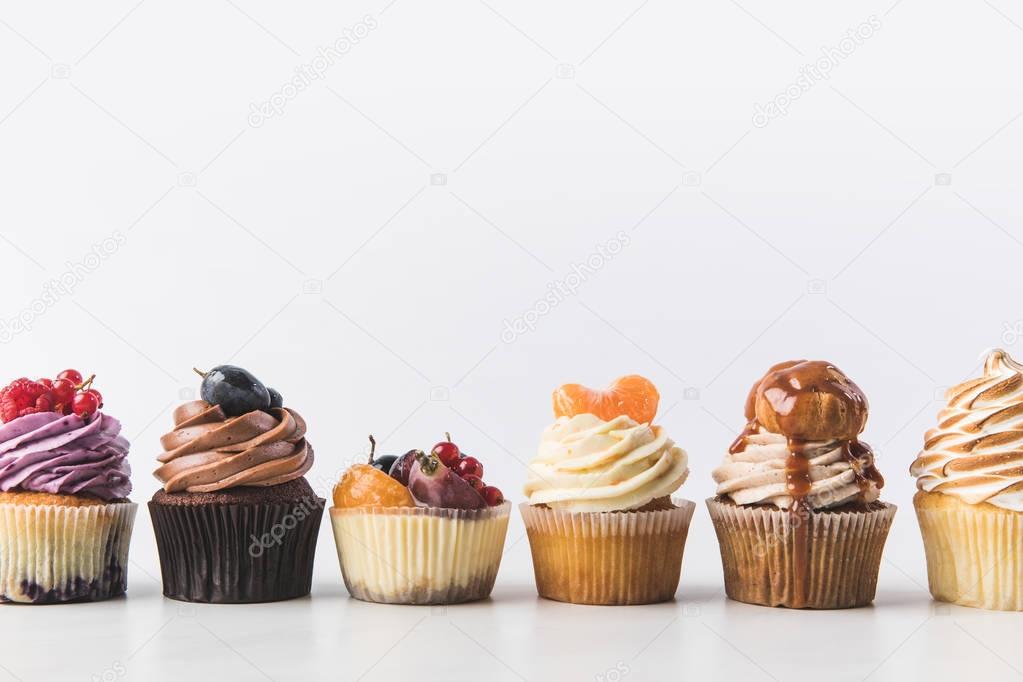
514 635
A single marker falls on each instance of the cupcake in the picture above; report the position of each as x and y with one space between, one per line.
236 521
797 513
419 528
970 499
602 526
65 517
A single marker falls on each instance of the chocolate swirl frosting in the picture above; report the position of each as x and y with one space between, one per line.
207 451
976 450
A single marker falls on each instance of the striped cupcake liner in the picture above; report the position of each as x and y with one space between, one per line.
420 555
237 553
608 558
54 554
825 560
974 552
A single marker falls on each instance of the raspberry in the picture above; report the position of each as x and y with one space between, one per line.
22 395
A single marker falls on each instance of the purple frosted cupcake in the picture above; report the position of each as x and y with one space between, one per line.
65 517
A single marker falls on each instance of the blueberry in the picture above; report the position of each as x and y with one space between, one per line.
384 463
235 390
276 400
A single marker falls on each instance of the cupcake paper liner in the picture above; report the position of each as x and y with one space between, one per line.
52 554
608 558
237 553
834 564
974 552
420 555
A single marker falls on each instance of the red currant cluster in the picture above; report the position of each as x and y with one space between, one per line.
66 394
468 469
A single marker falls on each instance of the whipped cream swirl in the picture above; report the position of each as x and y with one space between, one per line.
976 450
756 473
586 464
52 453
207 451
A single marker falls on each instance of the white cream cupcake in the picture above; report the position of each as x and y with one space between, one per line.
970 499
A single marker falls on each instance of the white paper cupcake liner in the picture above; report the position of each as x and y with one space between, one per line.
833 565
974 552
420 555
52 553
608 558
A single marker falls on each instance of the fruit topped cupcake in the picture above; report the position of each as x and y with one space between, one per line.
602 525
797 513
236 520
65 517
420 528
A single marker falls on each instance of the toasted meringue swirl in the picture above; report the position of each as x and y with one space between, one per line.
207 451
586 464
755 474
976 450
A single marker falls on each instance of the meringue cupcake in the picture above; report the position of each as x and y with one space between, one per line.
602 526
65 516
797 513
235 521
420 528
970 499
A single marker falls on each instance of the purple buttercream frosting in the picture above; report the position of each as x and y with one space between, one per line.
52 453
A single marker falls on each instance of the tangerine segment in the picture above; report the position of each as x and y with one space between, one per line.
364 486
632 395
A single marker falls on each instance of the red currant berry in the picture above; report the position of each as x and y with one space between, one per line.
48 383
476 482
447 452
469 466
72 375
63 391
85 405
493 496
96 394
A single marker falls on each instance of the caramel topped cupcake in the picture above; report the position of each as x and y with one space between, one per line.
798 490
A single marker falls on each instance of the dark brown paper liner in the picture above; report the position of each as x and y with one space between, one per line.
237 553
833 566
608 558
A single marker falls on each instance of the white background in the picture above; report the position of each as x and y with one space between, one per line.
362 249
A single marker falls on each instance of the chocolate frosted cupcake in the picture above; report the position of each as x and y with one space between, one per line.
797 514
603 528
236 521
970 502
65 517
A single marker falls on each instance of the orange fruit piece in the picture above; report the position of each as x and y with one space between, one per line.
364 486
631 395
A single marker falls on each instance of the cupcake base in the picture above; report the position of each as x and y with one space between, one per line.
52 553
825 560
239 546
420 555
973 552
608 558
